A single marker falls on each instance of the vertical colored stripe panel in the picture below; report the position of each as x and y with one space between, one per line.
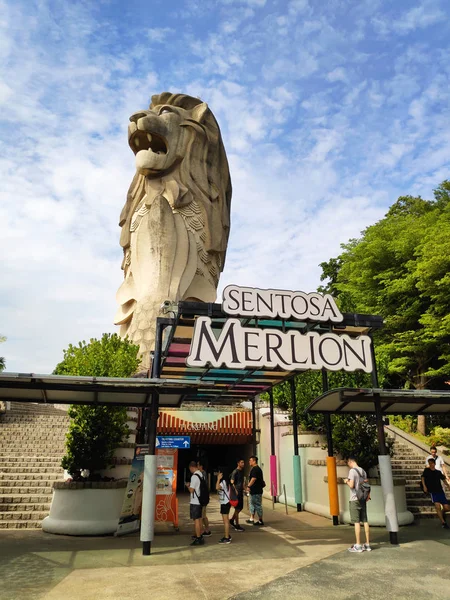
332 486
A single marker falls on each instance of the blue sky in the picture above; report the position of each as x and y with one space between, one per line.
329 111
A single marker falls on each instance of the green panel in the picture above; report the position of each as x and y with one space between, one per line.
297 479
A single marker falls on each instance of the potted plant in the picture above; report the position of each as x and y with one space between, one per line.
88 503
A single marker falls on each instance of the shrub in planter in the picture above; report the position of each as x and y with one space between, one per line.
96 431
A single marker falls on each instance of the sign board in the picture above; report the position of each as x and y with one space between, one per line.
180 441
166 508
240 347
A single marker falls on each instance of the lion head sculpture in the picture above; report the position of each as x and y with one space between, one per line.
176 220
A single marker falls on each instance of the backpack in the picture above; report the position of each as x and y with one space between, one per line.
363 490
203 497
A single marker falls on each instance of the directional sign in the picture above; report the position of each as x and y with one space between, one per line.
172 441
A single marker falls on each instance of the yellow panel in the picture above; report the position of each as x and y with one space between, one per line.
184 331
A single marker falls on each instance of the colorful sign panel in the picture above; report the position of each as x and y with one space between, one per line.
166 486
181 441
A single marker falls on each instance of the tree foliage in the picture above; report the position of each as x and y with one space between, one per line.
96 431
400 269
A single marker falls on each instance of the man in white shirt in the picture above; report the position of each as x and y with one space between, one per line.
194 502
358 508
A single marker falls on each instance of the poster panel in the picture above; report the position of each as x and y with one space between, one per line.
166 487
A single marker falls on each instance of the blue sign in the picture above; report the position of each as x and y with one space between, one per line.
171 441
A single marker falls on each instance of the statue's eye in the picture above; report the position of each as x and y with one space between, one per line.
165 110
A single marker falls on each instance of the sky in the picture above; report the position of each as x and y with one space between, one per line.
329 110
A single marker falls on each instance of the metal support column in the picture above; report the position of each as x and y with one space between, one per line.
331 461
384 462
149 490
254 425
273 458
296 458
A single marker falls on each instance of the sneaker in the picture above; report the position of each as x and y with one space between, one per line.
206 533
238 528
198 542
445 526
225 540
194 537
367 548
259 523
356 548
250 521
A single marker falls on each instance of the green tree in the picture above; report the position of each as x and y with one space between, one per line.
96 431
400 269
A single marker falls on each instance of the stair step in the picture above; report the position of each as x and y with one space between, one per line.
29 477
22 515
15 524
28 470
26 489
26 507
24 498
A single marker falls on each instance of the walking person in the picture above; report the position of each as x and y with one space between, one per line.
223 487
201 464
194 503
255 489
438 461
432 480
358 507
237 489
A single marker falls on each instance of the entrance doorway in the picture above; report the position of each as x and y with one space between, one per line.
217 457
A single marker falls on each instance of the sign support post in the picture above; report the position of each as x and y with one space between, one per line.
331 461
296 458
273 458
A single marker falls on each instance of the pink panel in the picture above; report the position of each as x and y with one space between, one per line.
273 475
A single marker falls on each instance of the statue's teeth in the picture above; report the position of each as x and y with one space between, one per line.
149 137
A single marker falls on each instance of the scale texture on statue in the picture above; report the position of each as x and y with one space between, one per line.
176 220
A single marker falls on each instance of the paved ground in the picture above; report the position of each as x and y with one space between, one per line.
296 556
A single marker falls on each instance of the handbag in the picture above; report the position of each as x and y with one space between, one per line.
233 502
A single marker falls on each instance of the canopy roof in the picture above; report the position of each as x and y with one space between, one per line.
237 385
392 402
60 389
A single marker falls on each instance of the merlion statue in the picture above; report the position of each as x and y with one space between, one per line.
176 220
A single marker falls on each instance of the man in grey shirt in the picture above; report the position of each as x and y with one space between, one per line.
358 508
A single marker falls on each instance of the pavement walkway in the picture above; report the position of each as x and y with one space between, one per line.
295 556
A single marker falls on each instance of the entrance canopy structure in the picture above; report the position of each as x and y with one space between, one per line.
180 375
391 402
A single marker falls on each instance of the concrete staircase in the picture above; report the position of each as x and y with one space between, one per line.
408 463
32 438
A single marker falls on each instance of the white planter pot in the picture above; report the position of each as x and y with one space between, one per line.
85 508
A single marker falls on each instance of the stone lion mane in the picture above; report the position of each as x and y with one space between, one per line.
175 222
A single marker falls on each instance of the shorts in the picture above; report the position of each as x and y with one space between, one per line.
439 497
358 511
196 511
255 504
240 504
225 509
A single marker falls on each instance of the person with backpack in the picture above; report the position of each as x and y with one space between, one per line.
198 489
201 464
223 487
359 496
255 489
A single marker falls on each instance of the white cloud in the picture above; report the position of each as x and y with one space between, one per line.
338 74
159 34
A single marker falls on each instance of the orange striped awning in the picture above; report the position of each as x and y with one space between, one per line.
232 428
